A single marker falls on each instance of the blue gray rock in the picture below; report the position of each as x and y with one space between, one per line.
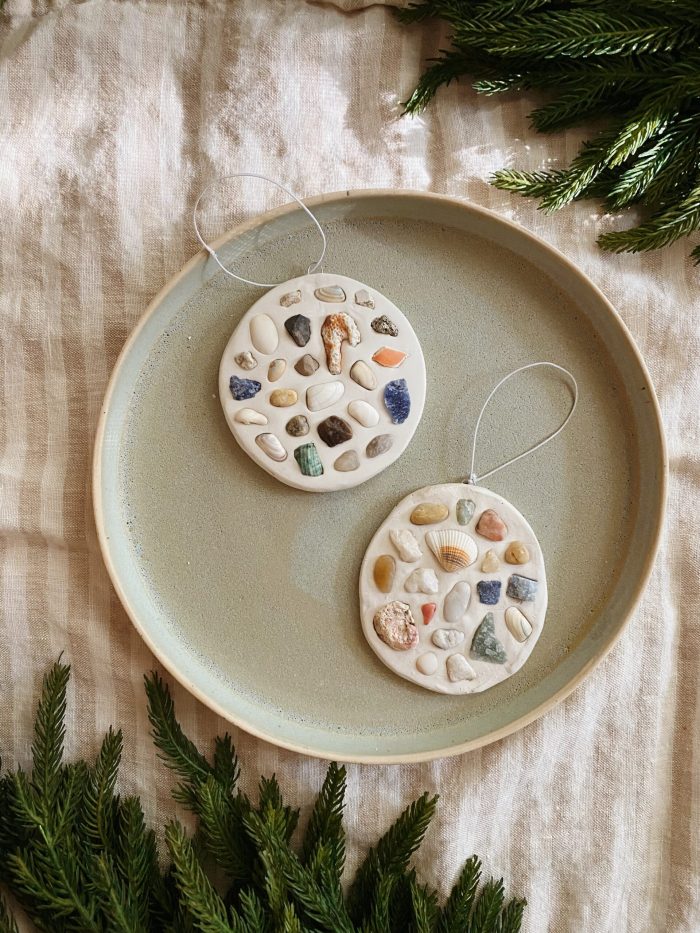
465 511
485 645
397 400
242 389
522 588
489 591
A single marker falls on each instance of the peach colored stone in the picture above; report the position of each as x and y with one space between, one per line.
491 526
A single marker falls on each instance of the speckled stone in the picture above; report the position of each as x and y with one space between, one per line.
384 572
242 389
297 426
397 400
246 360
379 445
307 365
522 588
394 624
489 591
334 431
384 325
291 298
465 511
485 645
517 553
347 462
299 329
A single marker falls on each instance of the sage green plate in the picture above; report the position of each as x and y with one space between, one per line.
246 589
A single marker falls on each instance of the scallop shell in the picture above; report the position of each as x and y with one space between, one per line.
454 549
331 293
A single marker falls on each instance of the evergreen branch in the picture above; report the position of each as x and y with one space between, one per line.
225 766
456 912
99 805
222 826
8 924
487 908
662 229
137 858
512 916
49 734
442 72
122 912
425 908
325 826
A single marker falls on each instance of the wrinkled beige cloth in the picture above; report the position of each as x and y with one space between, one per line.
112 115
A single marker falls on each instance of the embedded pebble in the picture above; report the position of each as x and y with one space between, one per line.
428 610
384 572
522 588
299 329
518 625
334 431
330 293
490 563
447 637
491 526
363 375
364 413
406 544
384 325
298 426
276 370
453 549
485 645
397 400
250 416
323 395
456 602
422 580
272 446
465 511
489 591
246 360
242 389
307 365
347 462
283 398
427 663
364 299
394 624
458 668
389 357
428 513
263 333
291 298
517 553
379 445
308 459
335 330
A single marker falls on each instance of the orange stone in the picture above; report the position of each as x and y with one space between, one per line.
384 570
428 610
491 526
387 356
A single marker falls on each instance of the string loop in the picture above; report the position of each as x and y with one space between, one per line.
473 479
312 268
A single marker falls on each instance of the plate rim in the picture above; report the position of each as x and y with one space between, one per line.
606 644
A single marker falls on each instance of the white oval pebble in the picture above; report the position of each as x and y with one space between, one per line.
458 668
447 637
272 446
427 663
364 413
324 394
250 416
405 543
518 625
263 333
422 580
456 602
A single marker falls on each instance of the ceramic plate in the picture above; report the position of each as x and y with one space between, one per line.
246 589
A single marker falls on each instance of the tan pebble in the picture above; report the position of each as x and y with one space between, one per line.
384 570
283 398
517 553
427 663
428 513
491 526
363 375
490 563
276 370
347 462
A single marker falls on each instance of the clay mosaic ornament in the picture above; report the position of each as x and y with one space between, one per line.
431 611
323 383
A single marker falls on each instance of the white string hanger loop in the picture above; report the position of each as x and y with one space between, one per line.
314 265
473 479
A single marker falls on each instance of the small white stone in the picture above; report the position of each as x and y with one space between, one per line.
364 413
447 637
422 580
249 416
458 668
427 663
245 360
518 625
406 544
456 602
272 446
324 394
263 333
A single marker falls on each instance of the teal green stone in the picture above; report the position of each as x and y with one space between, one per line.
485 645
465 511
308 459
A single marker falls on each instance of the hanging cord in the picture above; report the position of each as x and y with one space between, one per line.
314 265
473 478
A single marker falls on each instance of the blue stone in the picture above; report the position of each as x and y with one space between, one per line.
397 400
243 388
522 588
485 645
489 591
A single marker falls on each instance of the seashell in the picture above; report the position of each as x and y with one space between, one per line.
428 513
299 329
291 298
283 398
447 638
491 526
272 446
485 645
518 625
249 416
379 445
384 571
397 400
347 462
428 610
334 431
454 549
384 325
298 426
427 663
307 365
332 293
422 580
458 668
323 394
522 588
517 553
364 299
465 511
490 563
363 375
242 389
406 544
394 624
334 331
456 602
489 591
364 413
389 357
263 333
276 370
308 459
246 360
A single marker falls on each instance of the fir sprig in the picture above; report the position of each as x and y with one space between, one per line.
90 864
633 63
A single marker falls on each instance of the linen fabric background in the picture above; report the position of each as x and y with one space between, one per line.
113 116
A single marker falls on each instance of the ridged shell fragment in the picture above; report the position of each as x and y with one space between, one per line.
291 298
246 360
272 446
395 626
429 513
308 459
456 602
263 333
422 580
364 299
330 293
447 638
363 375
406 544
453 549
383 573
518 625
276 370
323 395
458 668
283 398
249 416
427 663
364 413
335 330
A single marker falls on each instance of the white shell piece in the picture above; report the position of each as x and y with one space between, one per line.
363 413
263 333
250 416
454 549
272 446
324 395
422 580
517 623
405 543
